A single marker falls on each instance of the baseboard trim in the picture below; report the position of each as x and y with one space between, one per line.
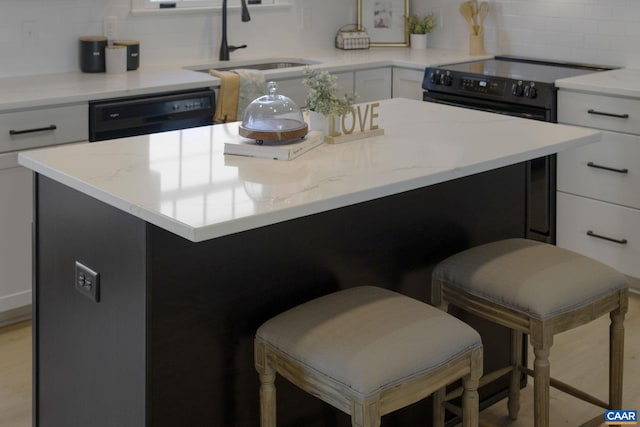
634 283
15 315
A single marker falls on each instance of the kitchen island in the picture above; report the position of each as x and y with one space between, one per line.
196 249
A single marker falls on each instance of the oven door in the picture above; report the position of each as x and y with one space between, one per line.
541 172
489 106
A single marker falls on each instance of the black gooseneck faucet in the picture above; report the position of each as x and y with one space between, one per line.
224 48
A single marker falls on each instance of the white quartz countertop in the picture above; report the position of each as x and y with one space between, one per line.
182 182
622 82
21 92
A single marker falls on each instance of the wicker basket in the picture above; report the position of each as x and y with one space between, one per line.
352 37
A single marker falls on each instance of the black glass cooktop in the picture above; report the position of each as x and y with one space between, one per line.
529 69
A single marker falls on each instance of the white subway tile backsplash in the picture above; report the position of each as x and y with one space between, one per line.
187 38
594 31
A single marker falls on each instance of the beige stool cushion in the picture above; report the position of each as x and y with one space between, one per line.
368 338
534 278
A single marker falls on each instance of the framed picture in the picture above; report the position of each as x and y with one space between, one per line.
385 21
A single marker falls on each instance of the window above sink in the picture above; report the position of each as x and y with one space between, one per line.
139 7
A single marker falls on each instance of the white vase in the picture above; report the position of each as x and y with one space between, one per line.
418 41
317 121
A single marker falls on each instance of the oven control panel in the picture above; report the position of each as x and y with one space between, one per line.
488 87
481 85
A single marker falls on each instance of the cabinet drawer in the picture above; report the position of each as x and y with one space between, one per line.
597 111
42 127
608 170
576 216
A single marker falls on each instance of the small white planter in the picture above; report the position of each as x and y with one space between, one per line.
317 121
418 41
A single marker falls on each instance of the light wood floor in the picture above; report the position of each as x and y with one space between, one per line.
579 357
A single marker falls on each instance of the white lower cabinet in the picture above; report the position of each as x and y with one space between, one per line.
294 89
407 83
598 199
16 210
370 85
373 85
20 130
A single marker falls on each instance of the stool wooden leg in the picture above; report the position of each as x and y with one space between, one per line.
616 358
438 407
513 403
470 399
541 384
267 397
365 414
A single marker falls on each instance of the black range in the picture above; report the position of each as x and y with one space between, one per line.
505 84
515 86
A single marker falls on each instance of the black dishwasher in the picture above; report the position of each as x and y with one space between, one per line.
131 116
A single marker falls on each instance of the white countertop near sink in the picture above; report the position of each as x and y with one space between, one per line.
21 92
622 82
182 182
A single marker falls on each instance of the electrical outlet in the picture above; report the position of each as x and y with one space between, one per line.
110 27
29 34
87 282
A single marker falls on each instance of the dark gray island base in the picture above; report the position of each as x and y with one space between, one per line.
170 343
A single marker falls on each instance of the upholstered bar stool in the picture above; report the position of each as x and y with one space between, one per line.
368 351
540 290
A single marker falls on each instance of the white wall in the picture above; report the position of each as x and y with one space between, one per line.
593 31
183 39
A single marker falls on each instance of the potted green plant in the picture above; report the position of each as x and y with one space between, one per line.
419 28
323 102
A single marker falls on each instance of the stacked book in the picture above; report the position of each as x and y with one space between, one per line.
277 150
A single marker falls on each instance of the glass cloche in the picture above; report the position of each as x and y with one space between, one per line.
273 117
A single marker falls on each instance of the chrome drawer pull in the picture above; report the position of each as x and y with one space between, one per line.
600 113
610 239
20 132
607 168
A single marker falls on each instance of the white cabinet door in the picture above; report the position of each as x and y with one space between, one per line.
19 130
407 83
294 89
16 207
373 85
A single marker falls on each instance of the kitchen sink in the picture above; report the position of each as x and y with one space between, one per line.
273 64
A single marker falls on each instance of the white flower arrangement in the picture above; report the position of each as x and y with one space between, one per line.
322 97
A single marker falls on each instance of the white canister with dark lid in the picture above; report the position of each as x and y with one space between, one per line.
133 52
91 54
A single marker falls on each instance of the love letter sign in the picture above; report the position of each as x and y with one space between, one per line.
360 122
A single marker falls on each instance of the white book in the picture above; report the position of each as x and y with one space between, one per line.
277 150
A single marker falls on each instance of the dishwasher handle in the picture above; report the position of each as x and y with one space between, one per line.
43 129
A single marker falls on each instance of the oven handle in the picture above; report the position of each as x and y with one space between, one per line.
456 104
474 106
